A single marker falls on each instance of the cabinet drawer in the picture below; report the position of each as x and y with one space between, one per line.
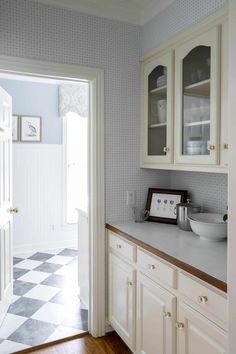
123 247
156 269
207 300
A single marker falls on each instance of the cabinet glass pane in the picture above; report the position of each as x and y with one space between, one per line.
157 111
196 120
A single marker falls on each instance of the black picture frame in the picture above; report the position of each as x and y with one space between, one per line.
153 193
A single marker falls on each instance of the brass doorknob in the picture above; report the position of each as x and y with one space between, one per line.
13 210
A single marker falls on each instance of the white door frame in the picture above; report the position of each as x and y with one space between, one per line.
30 67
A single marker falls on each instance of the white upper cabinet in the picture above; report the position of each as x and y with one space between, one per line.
197 94
184 116
157 113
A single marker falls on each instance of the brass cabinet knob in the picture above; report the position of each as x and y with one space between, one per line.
166 149
13 210
211 147
226 146
179 325
118 246
130 283
167 314
152 266
202 299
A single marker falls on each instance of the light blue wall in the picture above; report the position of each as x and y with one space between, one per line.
38 99
177 17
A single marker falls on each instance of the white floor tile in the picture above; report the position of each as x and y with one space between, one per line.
10 324
63 271
28 264
34 277
50 312
42 292
60 259
63 332
8 347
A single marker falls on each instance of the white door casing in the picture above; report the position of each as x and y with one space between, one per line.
95 77
6 258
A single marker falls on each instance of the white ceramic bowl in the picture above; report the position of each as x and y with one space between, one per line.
208 226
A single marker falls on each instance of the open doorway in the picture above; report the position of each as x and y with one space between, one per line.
50 188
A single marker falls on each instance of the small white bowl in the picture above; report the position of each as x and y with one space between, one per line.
208 226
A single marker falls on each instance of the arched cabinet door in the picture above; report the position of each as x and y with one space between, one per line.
197 99
157 111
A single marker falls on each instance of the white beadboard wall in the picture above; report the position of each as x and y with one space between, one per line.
37 192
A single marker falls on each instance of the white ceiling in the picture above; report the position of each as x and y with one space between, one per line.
131 11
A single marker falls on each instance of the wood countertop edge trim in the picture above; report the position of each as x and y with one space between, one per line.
219 284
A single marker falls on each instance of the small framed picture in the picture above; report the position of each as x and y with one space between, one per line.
15 127
30 129
161 204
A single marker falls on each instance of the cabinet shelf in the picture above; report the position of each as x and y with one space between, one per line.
157 125
199 89
159 90
193 124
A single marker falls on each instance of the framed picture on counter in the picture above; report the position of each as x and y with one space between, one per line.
161 204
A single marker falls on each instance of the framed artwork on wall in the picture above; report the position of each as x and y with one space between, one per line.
161 204
30 128
15 127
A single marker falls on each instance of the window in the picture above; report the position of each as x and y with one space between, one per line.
76 146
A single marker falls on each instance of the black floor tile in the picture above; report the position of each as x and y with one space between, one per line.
55 280
18 272
25 306
22 287
32 332
42 257
48 267
17 260
68 252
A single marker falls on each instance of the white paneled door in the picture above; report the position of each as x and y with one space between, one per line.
6 267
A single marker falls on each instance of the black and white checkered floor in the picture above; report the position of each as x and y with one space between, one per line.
45 305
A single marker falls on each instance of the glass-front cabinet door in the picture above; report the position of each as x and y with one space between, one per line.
197 90
157 112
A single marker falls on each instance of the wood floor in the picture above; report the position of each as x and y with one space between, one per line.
111 344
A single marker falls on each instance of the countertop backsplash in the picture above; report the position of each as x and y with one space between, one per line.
209 190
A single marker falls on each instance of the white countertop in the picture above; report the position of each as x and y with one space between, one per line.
209 257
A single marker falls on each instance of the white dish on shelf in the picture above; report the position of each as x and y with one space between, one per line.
209 226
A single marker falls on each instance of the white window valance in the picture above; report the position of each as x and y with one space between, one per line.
74 98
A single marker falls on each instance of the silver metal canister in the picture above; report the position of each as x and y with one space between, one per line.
183 210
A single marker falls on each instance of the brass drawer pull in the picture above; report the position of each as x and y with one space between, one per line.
152 266
202 299
167 314
119 246
179 325
226 146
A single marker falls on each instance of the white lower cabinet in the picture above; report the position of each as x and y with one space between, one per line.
167 310
122 299
156 318
197 335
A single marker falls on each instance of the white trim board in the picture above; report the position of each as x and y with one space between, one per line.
96 169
